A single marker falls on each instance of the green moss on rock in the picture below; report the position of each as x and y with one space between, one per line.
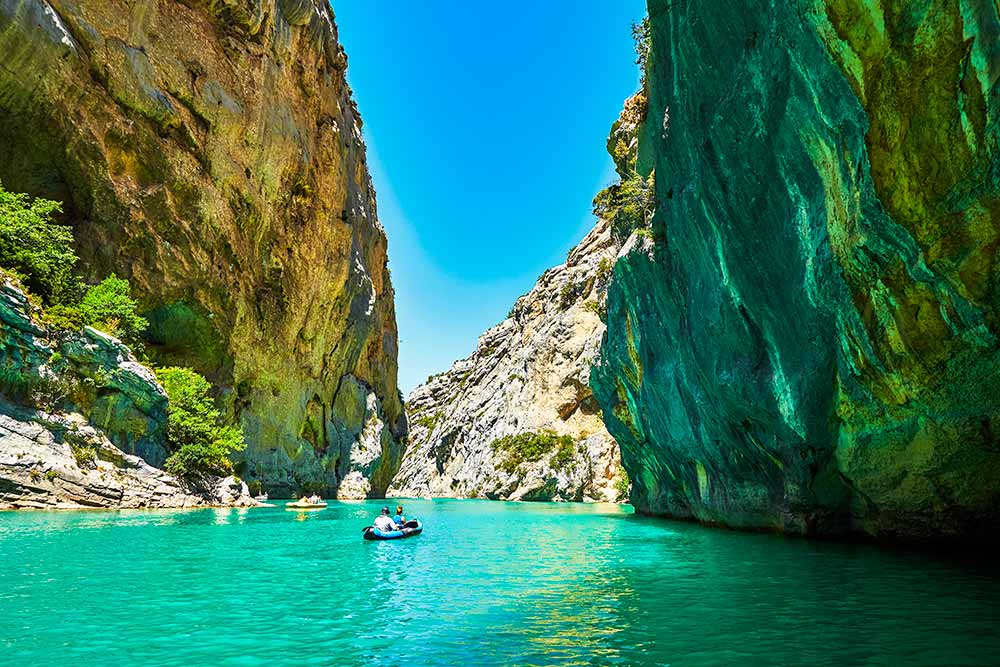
809 340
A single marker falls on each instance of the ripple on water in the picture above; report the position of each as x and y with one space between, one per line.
487 584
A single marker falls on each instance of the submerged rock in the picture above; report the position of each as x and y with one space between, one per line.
529 374
808 341
212 154
83 424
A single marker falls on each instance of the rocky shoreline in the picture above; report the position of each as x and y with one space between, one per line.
82 423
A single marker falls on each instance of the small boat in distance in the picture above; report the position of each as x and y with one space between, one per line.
299 505
313 502
262 498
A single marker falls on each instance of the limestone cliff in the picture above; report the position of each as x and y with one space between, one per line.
529 374
81 422
211 152
808 339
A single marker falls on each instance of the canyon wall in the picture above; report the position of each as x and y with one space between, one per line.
529 374
211 152
806 339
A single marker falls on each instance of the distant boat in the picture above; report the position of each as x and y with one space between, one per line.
298 505
262 498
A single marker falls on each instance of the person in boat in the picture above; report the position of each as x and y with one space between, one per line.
399 519
315 499
384 522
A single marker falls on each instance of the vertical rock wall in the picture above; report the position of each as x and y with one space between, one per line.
211 152
809 339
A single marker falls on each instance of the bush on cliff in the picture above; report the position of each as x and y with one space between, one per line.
36 249
628 205
197 437
39 253
529 447
642 36
109 307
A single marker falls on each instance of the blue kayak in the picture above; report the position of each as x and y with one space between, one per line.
409 529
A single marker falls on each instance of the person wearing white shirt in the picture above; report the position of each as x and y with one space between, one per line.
384 522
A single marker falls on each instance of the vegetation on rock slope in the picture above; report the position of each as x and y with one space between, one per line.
39 253
198 438
531 447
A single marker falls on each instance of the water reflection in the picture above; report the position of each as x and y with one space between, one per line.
486 584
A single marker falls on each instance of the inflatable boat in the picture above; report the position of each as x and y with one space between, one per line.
409 529
305 506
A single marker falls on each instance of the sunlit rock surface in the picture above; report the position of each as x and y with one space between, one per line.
82 423
808 342
212 154
529 373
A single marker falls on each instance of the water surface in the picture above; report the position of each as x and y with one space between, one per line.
488 583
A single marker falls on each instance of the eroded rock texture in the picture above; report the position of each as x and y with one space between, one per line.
809 340
82 424
528 374
211 152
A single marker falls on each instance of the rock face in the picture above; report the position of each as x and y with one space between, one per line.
212 154
90 374
81 422
809 340
52 461
529 374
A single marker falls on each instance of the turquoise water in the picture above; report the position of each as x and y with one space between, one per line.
486 584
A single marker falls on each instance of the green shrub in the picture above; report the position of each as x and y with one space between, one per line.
66 318
642 35
566 294
49 393
13 381
628 205
197 437
429 421
604 268
36 249
565 453
597 308
45 392
527 447
622 484
84 456
109 306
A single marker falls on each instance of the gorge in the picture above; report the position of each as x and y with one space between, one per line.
785 318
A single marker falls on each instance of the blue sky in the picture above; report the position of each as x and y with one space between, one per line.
486 126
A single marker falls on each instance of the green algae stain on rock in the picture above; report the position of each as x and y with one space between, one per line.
187 335
817 322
